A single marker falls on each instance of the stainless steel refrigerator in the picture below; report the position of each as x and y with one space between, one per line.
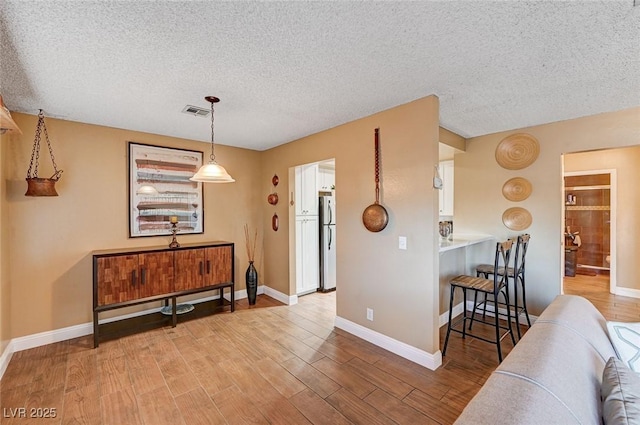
327 239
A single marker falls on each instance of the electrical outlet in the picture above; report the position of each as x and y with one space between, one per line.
370 314
402 242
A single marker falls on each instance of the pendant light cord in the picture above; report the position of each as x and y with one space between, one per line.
213 155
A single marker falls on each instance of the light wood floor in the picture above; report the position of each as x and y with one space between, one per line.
270 363
596 290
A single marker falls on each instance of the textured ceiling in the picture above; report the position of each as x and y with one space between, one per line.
288 69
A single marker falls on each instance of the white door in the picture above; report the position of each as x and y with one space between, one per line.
307 254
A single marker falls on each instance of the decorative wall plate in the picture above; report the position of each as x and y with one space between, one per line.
517 151
517 189
517 218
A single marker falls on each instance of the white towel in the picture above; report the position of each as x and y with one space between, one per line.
577 240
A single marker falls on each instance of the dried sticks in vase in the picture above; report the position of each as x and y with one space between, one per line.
250 244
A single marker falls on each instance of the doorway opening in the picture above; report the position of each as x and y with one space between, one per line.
589 229
313 226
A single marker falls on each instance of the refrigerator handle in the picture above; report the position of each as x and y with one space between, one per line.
330 213
330 237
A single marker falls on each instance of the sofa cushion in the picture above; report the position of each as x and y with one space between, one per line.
620 394
579 315
625 338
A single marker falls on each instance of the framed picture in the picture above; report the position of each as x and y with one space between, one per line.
160 189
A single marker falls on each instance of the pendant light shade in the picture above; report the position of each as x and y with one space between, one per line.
212 172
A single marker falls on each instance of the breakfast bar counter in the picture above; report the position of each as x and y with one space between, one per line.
457 241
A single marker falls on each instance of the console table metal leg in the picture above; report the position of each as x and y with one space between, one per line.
95 329
174 315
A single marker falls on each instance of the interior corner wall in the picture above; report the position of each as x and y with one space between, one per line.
626 162
51 238
479 180
5 287
400 286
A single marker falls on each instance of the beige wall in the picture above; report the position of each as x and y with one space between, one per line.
51 239
626 162
401 286
479 179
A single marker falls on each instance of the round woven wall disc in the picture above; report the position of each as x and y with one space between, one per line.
517 189
517 218
517 151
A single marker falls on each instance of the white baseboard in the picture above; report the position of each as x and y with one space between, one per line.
444 317
409 352
627 292
6 358
283 298
51 337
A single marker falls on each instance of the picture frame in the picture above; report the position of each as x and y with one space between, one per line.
159 189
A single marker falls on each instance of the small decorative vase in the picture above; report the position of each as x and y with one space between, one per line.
252 283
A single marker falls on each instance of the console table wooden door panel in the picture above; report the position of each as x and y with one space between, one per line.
189 269
218 265
123 278
117 279
156 273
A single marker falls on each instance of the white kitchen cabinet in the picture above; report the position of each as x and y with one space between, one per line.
306 201
446 194
307 254
326 178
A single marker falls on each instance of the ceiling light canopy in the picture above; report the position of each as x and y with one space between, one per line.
212 172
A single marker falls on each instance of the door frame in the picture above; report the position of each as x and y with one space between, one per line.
613 205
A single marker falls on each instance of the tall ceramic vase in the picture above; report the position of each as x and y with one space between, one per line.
252 283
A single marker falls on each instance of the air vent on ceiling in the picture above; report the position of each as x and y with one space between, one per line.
194 110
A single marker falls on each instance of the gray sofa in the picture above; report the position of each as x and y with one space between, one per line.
553 375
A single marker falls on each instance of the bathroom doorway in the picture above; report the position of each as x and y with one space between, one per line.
588 219
590 225
624 165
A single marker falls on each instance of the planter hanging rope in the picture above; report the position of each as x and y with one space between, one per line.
38 186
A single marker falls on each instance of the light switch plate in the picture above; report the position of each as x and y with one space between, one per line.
402 242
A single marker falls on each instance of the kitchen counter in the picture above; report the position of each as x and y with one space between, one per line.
462 240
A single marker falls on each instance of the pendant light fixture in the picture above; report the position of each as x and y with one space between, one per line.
6 122
212 172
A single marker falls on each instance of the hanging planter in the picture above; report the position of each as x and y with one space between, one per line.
38 186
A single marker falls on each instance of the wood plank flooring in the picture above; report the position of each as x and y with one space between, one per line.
264 364
596 290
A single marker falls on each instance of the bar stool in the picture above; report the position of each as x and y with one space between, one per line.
517 273
495 287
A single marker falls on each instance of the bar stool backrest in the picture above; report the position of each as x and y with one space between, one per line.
521 252
503 252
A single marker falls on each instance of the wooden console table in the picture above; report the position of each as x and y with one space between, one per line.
127 277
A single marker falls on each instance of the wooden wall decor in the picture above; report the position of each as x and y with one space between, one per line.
517 151
273 200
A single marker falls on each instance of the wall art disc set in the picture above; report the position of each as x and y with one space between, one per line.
516 152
